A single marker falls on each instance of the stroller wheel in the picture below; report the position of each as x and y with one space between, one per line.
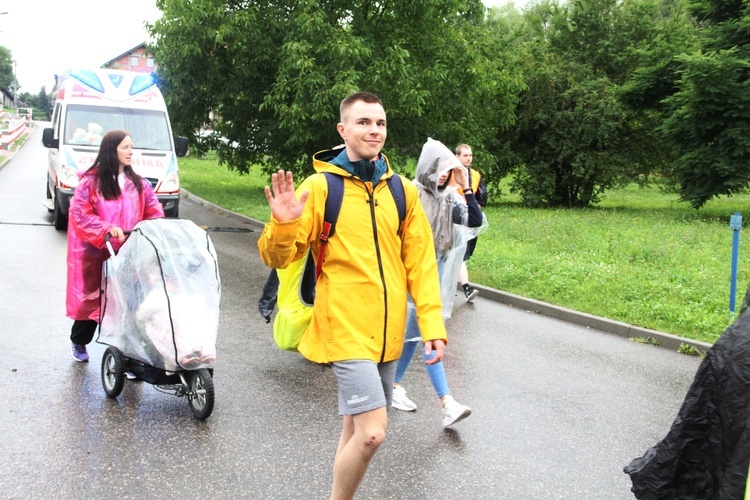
113 372
201 393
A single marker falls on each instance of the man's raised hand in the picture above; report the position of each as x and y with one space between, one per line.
282 200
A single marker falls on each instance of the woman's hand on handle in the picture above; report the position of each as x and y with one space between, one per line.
282 200
117 232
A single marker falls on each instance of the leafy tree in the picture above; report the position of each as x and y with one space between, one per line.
655 79
269 76
40 103
575 137
572 136
43 103
27 98
709 113
657 67
6 68
502 81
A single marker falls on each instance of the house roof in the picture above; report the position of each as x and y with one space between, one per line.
141 45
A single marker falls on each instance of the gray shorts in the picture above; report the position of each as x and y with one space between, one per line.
364 385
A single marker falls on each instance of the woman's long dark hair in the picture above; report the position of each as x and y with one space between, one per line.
107 166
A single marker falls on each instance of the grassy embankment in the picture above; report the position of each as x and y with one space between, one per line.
640 256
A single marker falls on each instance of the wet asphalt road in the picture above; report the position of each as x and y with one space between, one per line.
559 409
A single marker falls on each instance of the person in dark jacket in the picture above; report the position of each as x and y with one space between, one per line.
706 453
478 188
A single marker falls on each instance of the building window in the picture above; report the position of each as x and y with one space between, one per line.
134 61
149 62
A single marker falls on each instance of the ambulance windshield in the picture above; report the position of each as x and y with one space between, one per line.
86 125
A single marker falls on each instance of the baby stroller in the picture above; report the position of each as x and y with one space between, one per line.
159 317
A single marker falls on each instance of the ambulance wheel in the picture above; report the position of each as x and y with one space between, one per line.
201 393
59 220
113 372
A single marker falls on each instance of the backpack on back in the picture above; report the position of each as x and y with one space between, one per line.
295 285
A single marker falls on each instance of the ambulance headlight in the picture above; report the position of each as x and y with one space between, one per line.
170 183
69 176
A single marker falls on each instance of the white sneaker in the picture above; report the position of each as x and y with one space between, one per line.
400 401
130 375
453 411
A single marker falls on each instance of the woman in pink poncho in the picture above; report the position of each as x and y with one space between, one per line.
110 199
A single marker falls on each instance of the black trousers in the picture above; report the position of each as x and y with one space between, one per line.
470 246
83 331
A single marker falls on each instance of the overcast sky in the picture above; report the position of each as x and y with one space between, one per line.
46 37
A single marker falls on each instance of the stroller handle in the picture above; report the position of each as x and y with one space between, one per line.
109 245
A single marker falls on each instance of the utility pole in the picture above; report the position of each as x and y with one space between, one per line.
14 85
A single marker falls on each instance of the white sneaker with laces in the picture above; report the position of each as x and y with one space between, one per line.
400 401
453 411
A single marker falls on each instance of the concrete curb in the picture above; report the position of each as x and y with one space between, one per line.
242 218
665 340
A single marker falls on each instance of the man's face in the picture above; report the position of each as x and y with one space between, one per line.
466 157
363 129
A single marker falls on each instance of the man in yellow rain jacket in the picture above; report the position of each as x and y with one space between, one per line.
370 265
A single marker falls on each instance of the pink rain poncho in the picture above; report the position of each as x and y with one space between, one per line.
90 217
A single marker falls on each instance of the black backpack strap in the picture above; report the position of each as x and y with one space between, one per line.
333 207
333 204
395 184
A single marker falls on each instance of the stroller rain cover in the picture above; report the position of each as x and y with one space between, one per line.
161 295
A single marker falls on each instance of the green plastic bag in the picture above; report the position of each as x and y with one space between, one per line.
295 303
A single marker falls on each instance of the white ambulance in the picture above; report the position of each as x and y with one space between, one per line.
90 103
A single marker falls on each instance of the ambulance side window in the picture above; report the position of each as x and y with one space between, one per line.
56 120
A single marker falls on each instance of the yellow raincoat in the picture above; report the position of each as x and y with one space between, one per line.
361 296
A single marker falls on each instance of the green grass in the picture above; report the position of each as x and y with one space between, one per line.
227 188
640 256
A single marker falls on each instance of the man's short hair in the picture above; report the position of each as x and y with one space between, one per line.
357 96
461 147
